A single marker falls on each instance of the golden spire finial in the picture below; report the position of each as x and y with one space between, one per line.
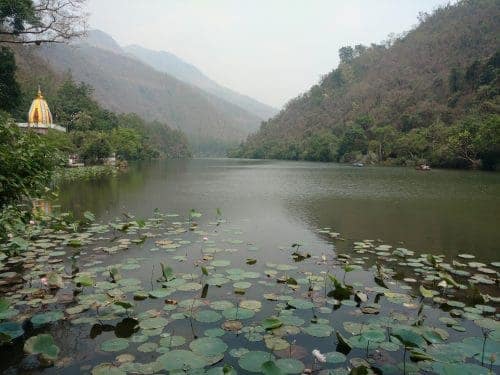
39 94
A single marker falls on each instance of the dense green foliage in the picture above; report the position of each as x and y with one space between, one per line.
428 96
27 161
14 15
95 133
63 175
10 92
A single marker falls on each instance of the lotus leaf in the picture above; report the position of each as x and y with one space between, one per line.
107 369
207 316
208 346
152 323
318 330
181 359
42 344
114 345
10 331
253 360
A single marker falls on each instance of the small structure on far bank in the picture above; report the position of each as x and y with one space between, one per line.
74 162
40 117
110 161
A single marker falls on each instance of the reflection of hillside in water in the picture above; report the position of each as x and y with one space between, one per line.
434 227
281 202
444 212
102 195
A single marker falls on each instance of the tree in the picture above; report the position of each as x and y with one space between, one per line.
413 145
74 107
488 141
96 147
320 147
455 80
385 137
10 92
353 140
127 143
41 21
462 145
359 49
27 161
346 54
365 121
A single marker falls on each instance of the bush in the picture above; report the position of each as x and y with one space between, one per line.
96 147
27 162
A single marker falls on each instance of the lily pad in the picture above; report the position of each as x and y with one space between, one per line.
270 368
10 330
114 345
335 357
42 344
242 285
318 330
48 317
290 365
207 316
466 256
275 343
152 323
107 369
208 346
271 323
172 341
253 360
181 359
235 313
300 303
160 293
220 263
409 338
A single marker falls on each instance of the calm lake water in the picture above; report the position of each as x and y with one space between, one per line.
278 203
266 207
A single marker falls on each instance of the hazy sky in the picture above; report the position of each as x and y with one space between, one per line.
271 50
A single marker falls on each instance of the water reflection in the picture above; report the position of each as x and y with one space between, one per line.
440 211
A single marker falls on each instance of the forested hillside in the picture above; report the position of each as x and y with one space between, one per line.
93 132
429 95
123 84
168 63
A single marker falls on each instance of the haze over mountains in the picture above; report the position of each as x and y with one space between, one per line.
160 88
171 64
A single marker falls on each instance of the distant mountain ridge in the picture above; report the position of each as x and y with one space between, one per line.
124 84
174 66
167 62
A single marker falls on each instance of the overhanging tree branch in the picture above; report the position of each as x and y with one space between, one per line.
41 21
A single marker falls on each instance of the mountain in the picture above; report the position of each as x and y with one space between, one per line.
169 63
429 95
99 39
123 84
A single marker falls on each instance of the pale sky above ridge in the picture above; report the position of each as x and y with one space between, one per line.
271 50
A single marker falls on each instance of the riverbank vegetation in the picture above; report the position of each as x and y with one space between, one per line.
428 96
83 173
94 133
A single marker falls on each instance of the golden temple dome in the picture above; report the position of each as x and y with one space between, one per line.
39 113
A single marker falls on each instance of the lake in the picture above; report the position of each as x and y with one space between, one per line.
279 202
223 266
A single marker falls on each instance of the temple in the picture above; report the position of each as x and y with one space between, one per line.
40 117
